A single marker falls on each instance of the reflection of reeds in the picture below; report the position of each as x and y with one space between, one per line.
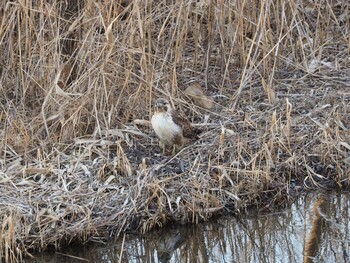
314 238
75 74
170 240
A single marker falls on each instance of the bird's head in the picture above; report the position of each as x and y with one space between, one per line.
162 105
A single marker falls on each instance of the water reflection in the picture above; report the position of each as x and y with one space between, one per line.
315 229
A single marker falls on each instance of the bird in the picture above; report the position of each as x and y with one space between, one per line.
171 128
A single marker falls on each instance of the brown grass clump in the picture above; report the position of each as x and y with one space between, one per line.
74 165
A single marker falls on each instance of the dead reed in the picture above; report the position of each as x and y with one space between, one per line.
74 77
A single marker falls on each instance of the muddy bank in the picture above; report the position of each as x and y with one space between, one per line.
305 231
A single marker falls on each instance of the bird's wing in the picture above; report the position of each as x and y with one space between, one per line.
187 130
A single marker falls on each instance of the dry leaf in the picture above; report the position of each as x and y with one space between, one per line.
196 94
142 122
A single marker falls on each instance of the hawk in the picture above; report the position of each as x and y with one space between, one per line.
170 127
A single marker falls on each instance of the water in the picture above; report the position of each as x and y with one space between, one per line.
317 227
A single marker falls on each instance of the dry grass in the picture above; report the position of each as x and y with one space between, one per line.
74 166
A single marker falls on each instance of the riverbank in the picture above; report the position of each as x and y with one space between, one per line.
308 229
76 167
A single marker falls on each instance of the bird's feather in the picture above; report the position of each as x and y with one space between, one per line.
187 130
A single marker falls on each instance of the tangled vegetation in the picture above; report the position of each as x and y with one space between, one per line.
76 78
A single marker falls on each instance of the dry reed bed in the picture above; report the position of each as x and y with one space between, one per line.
74 166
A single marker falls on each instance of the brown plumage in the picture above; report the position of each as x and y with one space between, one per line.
170 127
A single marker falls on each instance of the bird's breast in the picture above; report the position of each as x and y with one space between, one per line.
165 127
